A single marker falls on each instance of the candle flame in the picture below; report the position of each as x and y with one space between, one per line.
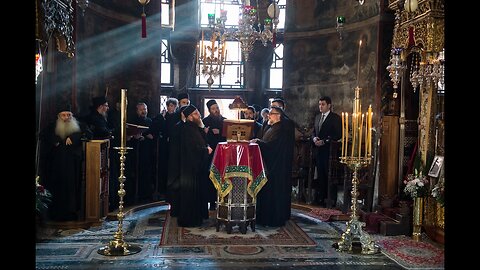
360 43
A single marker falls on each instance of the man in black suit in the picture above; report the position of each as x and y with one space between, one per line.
327 128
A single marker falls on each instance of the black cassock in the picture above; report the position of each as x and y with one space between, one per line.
212 139
194 155
61 173
273 200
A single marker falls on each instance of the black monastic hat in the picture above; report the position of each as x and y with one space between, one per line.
97 101
182 96
210 103
188 110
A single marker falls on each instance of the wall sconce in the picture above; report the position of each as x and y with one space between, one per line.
340 24
360 1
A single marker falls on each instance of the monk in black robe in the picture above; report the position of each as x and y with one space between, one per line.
194 151
273 200
61 165
142 156
214 126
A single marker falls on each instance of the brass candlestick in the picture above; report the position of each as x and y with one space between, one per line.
353 158
354 235
118 247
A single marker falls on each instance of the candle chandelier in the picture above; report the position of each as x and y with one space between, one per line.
250 29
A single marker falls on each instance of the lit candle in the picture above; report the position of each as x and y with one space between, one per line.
343 132
346 136
123 118
358 63
360 137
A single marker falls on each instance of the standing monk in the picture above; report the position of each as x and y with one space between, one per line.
273 200
62 165
213 127
192 208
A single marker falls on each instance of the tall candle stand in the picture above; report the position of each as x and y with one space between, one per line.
354 235
118 246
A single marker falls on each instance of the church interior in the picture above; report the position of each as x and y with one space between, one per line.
381 62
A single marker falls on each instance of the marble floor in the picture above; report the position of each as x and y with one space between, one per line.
77 248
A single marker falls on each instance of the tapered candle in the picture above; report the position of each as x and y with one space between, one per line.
366 136
358 63
360 137
343 132
354 133
370 131
123 118
346 136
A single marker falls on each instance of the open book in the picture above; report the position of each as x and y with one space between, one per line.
133 129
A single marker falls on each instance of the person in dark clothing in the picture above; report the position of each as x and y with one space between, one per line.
213 126
250 114
97 120
183 100
162 126
61 165
194 149
142 156
273 204
289 126
327 128
174 160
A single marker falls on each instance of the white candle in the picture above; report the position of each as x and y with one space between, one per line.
123 118
346 136
358 63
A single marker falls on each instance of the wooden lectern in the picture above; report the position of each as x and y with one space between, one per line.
97 168
237 130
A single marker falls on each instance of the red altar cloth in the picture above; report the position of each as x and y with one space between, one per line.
237 159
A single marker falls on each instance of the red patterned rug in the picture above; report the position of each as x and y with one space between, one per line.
324 214
412 254
206 235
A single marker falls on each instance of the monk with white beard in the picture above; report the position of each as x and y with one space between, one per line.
60 166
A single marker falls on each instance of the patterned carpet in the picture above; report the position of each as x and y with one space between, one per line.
412 254
288 235
77 249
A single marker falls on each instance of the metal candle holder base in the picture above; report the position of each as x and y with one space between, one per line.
354 236
118 247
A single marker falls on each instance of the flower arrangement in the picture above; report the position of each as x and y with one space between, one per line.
438 191
42 196
416 185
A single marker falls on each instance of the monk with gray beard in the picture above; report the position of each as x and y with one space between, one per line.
60 165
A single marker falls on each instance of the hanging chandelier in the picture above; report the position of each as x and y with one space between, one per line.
250 29
432 70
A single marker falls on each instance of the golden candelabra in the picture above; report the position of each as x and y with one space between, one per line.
118 247
354 236
214 60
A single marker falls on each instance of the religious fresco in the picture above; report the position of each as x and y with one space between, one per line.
326 65
311 15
